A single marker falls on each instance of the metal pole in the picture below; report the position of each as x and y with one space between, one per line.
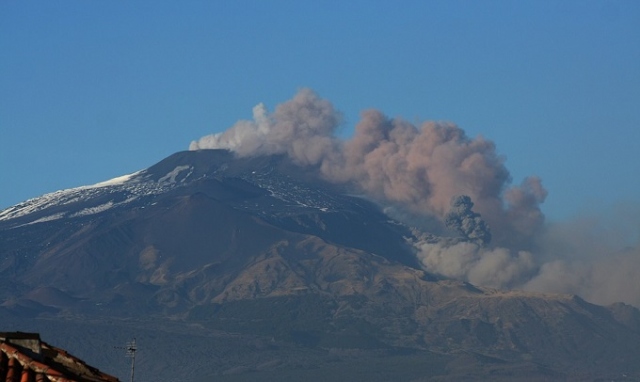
132 350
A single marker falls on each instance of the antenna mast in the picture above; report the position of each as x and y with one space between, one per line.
131 353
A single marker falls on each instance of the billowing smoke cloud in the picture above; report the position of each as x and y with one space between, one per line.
602 280
302 128
469 261
596 257
468 223
596 260
418 169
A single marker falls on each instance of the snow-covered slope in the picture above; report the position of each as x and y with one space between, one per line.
92 199
275 183
64 197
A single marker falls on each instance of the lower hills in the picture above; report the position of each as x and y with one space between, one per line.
233 269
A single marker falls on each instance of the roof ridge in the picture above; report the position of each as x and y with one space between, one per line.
52 366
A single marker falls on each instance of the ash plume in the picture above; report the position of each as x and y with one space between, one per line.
302 128
468 223
416 169
597 258
470 261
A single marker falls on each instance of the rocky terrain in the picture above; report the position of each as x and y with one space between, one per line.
239 269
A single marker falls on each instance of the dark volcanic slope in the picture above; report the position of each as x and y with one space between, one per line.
296 278
194 212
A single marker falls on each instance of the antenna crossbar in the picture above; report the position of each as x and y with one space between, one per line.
131 349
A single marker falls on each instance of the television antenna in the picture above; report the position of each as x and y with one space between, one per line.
131 353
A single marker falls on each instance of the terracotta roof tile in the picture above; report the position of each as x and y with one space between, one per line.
25 358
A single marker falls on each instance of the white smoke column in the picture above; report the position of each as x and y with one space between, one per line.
302 128
244 138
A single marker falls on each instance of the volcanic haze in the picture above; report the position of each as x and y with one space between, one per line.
419 171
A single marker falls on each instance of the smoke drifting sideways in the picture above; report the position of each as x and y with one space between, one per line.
417 170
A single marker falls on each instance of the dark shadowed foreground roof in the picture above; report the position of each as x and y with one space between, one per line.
25 358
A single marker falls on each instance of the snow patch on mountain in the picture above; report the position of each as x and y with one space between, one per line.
112 182
120 191
91 199
94 210
170 178
64 197
291 192
48 218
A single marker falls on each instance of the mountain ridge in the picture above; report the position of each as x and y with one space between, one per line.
261 247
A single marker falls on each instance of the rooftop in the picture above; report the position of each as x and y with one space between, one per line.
25 357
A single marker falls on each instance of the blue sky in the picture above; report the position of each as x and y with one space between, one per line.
90 90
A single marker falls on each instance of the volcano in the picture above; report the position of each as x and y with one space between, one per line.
255 268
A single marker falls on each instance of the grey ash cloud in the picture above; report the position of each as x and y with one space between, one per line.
418 168
468 223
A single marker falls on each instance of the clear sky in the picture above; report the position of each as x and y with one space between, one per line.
90 90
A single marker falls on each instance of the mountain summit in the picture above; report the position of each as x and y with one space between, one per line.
261 249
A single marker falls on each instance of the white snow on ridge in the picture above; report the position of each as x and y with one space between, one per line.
112 182
170 178
62 197
133 184
93 210
33 205
48 218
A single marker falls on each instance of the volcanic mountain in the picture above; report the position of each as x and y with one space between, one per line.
268 272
